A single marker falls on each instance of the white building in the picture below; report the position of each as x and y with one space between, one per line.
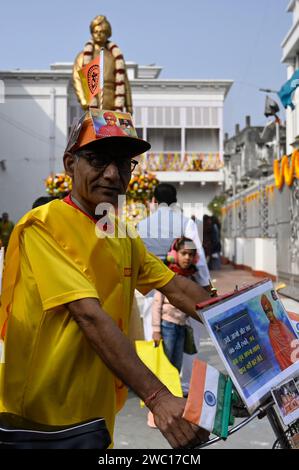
183 120
290 57
261 223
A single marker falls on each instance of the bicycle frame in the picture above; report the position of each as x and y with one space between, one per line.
265 410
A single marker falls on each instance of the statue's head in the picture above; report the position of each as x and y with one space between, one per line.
100 29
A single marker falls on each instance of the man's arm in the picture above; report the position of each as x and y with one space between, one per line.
115 350
184 294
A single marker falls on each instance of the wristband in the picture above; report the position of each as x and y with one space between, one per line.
153 396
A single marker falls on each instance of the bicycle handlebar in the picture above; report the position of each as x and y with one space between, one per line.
261 410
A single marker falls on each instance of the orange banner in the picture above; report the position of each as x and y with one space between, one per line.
90 78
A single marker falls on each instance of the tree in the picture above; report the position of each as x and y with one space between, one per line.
216 205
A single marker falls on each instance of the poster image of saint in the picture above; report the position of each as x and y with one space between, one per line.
255 340
112 123
280 332
286 397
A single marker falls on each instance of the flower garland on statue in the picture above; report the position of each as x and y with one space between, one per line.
120 75
139 194
58 185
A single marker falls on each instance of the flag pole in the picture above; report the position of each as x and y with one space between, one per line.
101 64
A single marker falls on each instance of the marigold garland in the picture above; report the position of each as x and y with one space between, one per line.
269 190
142 187
139 194
58 184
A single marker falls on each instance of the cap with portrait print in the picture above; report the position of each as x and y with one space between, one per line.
112 131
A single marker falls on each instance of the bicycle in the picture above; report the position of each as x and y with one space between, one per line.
283 433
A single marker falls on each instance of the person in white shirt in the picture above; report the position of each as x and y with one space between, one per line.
158 232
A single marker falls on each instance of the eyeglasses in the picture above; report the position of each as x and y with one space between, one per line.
100 163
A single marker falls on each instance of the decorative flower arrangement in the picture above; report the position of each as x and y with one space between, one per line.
135 211
252 197
172 161
58 185
142 186
139 194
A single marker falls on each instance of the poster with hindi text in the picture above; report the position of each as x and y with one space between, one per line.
255 340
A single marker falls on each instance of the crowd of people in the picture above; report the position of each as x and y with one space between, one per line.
212 241
68 288
184 256
66 300
68 296
72 270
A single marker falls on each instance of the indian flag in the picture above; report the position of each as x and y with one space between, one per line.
209 400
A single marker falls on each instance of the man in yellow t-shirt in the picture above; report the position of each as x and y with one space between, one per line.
67 294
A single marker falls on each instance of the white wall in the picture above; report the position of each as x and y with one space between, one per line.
196 193
259 254
202 140
29 139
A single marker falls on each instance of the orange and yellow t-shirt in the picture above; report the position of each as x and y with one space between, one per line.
51 374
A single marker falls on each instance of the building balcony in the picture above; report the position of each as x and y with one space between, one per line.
290 45
190 167
175 161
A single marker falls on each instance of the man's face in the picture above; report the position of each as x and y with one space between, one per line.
110 120
100 34
99 178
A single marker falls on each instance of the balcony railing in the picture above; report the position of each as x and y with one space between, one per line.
175 161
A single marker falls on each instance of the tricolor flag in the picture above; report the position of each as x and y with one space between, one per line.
90 78
294 319
209 400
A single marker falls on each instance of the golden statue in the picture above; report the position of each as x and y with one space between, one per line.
117 91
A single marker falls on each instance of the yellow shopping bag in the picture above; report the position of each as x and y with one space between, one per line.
156 360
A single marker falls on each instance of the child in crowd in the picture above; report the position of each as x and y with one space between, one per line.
168 322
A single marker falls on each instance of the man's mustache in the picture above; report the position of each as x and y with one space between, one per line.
111 188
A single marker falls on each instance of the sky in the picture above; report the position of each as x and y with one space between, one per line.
238 40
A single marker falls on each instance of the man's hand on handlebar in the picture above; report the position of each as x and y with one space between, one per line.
168 410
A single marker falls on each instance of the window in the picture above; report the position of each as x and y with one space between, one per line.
164 139
202 140
139 131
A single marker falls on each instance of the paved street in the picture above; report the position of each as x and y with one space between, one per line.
131 430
